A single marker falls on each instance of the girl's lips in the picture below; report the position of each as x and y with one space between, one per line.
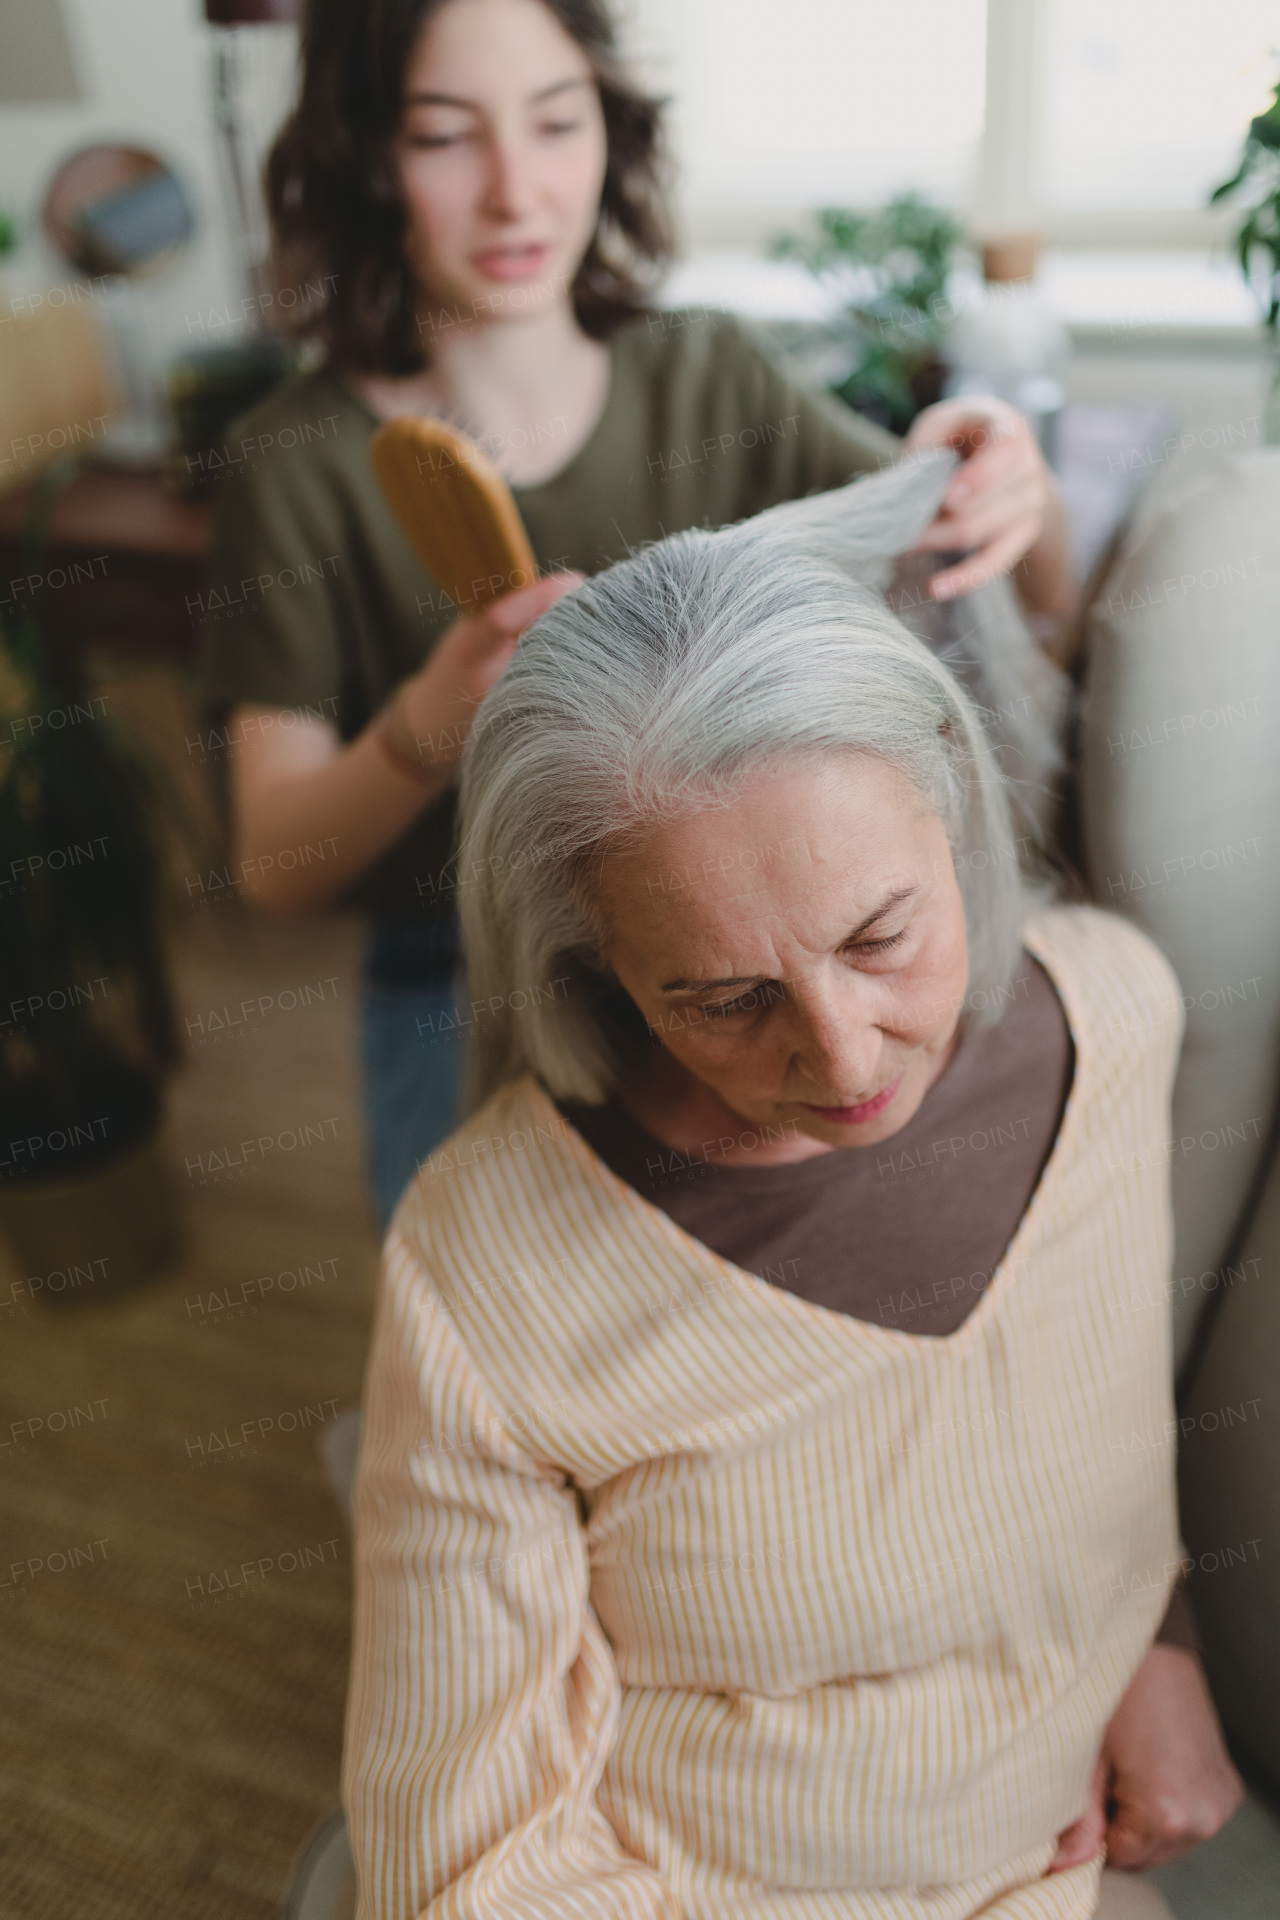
511 263
854 1116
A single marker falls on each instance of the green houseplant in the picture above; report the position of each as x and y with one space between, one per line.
1257 180
893 320
87 1030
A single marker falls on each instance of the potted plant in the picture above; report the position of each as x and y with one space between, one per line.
893 264
9 237
87 1029
1257 178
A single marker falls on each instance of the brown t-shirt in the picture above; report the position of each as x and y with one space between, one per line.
906 1234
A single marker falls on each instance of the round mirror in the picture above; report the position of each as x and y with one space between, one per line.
115 210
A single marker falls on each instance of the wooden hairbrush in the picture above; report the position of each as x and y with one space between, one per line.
455 509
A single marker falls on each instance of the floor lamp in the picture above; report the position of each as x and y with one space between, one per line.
249 236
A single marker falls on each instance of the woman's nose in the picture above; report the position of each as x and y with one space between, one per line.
836 1046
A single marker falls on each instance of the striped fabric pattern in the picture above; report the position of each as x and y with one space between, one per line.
678 1595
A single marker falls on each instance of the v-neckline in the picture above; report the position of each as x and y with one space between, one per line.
661 1226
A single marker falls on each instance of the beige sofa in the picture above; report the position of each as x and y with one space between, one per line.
1180 831
1179 828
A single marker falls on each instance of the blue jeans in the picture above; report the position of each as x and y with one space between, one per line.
412 1052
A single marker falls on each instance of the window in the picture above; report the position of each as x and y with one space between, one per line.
1150 99
812 99
1083 109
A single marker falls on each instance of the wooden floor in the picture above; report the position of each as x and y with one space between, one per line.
170 1723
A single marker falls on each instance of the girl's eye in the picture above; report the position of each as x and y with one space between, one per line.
435 140
431 141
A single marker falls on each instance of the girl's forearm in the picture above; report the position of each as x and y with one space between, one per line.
310 822
1045 583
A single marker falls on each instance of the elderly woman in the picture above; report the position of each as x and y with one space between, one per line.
742 1527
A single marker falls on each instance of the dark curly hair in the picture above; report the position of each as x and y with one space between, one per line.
337 217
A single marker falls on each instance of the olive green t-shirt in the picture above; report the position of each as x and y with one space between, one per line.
315 602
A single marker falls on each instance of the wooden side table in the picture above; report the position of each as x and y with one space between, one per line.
123 558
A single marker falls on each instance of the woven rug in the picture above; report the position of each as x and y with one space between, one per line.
172 1675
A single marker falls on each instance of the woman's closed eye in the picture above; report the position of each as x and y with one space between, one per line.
878 946
757 998
745 1003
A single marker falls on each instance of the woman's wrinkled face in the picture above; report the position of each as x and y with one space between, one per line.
501 154
801 952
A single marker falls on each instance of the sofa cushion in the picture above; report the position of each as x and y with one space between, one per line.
1234 1876
1179 805
1229 1468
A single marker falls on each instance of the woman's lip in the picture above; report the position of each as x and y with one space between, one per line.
511 263
854 1116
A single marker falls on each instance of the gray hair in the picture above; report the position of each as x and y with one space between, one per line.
658 686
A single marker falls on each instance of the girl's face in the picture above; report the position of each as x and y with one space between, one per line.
501 152
801 952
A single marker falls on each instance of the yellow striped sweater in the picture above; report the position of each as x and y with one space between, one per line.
679 1595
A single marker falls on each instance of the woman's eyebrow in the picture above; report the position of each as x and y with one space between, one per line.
754 979
705 986
892 900
472 106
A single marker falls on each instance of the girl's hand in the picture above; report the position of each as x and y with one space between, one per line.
996 504
439 703
1164 1780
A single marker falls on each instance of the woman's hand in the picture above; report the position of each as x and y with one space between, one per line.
439 703
998 502
1164 1780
